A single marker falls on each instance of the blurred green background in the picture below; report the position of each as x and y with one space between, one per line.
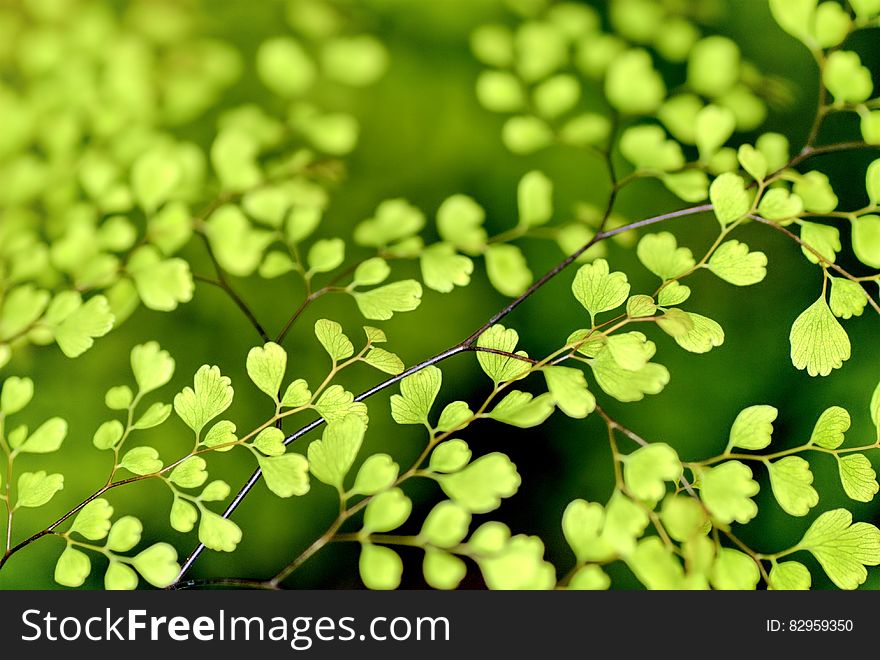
424 137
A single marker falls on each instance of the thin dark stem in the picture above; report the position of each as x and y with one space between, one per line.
236 583
224 284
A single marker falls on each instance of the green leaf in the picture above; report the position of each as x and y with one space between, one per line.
875 408
734 570
713 66
858 477
336 402
211 395
646 470
833 24
152 367
72 568
357 60
387 511
733 263
501 368
673 293
270 441
268 204
846 78
568 387
599 290
690 185
627 385
16 394
455 416
221 433
378 473
557 95
729 197
872 181
285 475
215 491
380 567
371 272
266 366
443 570
647 147
189 474
753 162
727 490
284 66
333 339
171 228
520 565
632 86
331 457
141 460
843 548
683 517
162 284
819 343
183 515
325 255
590 578
443 269
752 428
46 439
119 398
500 91
816 192
675 323
108 435
639 306
522 410
830 428
480 486
460 222
779 204
535 199
824 239
791 481
866 239
155 415
702 336
93 520
507 269
446 525
381 303
714 127
384 361
847 298
217 533
655 566
582 524
154 177
119 577
865 8
77 332
237 246
789 576
795 17
660 254
493 45
450 456
297 394
124 534
393 220
417 394
158 564
588 129
37 488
